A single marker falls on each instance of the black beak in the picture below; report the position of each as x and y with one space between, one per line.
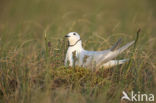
66 36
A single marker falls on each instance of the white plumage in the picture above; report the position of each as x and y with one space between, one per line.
90 59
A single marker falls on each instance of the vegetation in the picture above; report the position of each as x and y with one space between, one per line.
33 47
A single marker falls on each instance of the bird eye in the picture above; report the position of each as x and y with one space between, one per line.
74 33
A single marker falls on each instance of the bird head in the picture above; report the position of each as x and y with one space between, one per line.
73 37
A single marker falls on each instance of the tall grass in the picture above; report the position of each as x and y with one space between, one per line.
32 50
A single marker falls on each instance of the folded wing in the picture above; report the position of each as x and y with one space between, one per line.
101 57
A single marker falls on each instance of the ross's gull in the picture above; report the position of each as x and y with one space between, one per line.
92 59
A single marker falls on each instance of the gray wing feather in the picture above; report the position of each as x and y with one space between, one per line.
113 54
101 57
116 45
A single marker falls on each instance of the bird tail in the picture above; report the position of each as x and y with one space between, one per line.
120 50
113 63
113 54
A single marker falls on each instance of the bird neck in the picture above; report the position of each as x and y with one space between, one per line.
76 45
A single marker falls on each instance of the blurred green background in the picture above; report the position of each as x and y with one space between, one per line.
28 19
23 64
